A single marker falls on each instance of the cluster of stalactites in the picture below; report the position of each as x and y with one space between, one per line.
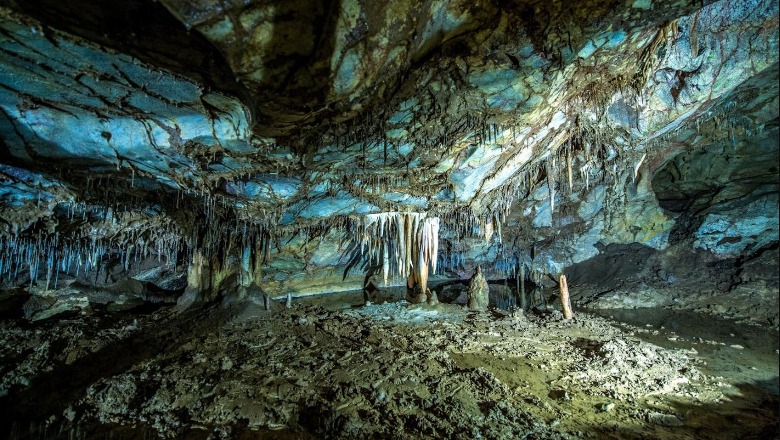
52 254
405 243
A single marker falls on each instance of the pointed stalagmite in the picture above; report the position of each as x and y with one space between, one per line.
565 300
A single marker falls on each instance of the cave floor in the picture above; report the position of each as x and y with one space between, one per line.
330 369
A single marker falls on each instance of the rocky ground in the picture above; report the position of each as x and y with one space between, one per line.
329 369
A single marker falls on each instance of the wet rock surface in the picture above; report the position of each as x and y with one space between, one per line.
331 370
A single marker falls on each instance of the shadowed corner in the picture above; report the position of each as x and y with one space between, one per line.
750 412
28 411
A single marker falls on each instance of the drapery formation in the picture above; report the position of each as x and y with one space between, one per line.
404 243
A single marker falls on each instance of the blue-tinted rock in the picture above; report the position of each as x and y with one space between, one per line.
740 229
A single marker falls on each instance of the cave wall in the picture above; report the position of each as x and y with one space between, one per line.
541 135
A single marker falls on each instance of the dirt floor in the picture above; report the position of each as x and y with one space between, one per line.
330 368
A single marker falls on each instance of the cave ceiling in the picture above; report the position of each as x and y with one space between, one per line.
510 120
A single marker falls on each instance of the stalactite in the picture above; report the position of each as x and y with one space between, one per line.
406 244
487 228
638 165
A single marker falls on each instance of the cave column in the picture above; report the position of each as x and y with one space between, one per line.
198 281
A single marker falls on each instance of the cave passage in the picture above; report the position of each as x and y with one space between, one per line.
389 220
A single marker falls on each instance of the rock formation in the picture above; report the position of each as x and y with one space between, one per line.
172 172
236 145
479 292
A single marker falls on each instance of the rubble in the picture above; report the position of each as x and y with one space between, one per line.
396 370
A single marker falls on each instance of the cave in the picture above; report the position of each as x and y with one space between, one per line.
408 219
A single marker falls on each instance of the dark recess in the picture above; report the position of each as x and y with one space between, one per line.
143 29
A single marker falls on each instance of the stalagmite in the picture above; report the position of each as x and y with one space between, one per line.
423 283
565 300
478 293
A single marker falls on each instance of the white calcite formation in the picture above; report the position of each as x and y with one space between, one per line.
406 244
